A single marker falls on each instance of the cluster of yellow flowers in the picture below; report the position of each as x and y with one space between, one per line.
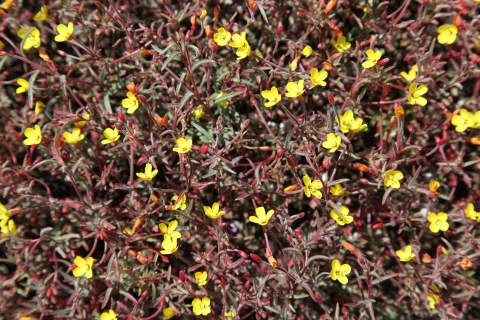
6 224
169 243
222 38
31 35
465 119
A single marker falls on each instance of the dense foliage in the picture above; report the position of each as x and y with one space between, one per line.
239 159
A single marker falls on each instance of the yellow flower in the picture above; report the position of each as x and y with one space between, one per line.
295 90
203 14
42 15
476 120
182 204
201 278
318 77
168 312
221 37
2 45
447 34
341 218
169 245
307 51
272 96
415 94
438 221
294 64
361 126
170 230
230 314
238 40
5 213
33 39
469 212
199 113
130 103
8 225
433 186
7 4
463 120
74 137
392 178
184 146
34 136
411 75
312 188
341 44
332 142
223 103
81 124
372 58
27 318
347 122
149 174
213 212
337 190
84 267
110 315
261 218
340 272
111 135
64 32
39 106
244 51
201 307
432 298
405 255
24 85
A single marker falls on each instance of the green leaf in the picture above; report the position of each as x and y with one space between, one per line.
195 49
106 103
264 15
160 51
30 87
170 58
204 132
185 98
212 173
204 61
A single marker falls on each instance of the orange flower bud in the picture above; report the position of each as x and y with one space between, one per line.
466 263
338 32
132 88
208 32
272 261
132 253
457 21
426 258
329 7
400 113
433 186
138 222
363 167
253 6
349 246
142 258
291 188
43 54
475 140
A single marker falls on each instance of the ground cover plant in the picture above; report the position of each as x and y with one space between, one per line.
239 159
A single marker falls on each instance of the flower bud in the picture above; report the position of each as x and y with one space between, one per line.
121 116
330 98
203 14
142 258
378 226
330 6
272 261
255 257
132 253
400 113
279 30
208 32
